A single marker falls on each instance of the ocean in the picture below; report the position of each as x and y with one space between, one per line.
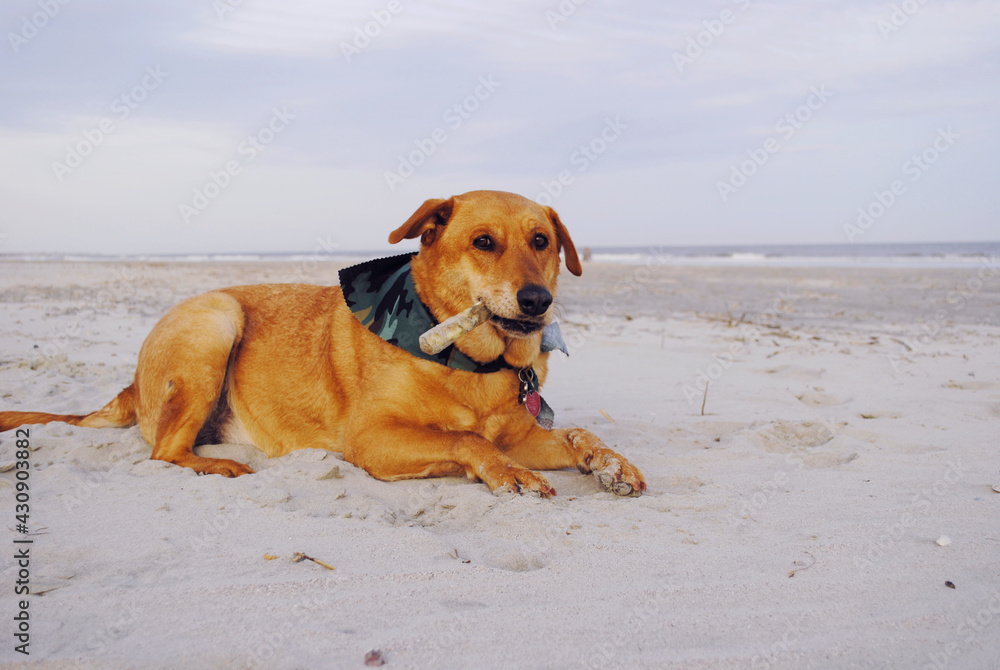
937 254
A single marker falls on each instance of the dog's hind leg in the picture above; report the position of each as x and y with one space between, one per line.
181 375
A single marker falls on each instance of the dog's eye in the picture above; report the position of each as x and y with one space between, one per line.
541 241
484 243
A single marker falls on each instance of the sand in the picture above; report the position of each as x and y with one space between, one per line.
791 522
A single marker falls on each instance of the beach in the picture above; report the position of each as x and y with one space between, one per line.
820 445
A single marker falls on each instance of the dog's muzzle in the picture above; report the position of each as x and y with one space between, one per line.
534 300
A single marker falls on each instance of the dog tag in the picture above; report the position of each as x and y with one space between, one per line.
533 402
526 377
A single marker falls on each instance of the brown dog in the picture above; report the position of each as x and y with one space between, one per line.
289 366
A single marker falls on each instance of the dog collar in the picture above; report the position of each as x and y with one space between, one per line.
382 296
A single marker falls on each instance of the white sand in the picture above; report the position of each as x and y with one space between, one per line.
827 447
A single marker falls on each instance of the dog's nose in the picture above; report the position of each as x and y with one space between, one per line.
534 299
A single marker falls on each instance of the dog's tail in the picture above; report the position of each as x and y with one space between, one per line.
119 413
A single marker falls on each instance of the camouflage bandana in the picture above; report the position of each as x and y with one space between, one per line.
381 295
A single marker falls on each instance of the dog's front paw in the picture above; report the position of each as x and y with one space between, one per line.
612 470
515 479
616 474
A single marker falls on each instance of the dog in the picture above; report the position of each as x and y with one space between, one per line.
292 366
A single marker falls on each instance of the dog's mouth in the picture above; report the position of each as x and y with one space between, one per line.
518 327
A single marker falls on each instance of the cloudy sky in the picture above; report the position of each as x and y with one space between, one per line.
266 125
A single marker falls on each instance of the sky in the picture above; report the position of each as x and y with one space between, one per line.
221 126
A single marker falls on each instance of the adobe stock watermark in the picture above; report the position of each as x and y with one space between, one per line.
899 16
223 8
635 283
363 35
791 637
101 641
929 329
562 12
922 504
914 168
122 107
749 330
582 158
455 116
248 150
32 24
263 651
322 252
765 492
628 627
123 286
787 126
705 38
968 631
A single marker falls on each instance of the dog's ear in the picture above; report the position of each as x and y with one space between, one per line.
566 243
424 222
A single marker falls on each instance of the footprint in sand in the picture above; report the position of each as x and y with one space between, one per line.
810 441
513 559
680 485
817 397
783 437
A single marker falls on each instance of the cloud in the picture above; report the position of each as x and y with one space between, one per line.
357 118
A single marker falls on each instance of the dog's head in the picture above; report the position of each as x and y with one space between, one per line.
498 248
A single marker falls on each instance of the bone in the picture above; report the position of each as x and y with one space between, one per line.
445 333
